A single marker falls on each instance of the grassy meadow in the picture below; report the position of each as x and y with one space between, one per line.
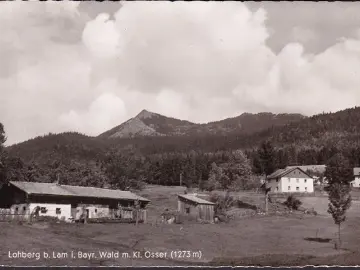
257 240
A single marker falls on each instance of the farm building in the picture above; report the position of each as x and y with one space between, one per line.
356 181
291 179
190 204
68 202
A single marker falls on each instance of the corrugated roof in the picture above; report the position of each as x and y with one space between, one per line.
356 171
77 191
195 199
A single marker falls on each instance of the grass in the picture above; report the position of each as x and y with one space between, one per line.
258 241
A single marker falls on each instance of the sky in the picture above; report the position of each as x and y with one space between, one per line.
89 66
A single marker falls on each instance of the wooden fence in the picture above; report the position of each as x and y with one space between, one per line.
6 215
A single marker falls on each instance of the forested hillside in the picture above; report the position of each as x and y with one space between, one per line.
152 124
80 159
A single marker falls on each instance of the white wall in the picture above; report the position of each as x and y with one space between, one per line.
356 182
95 211
51 209
303 184
22 209
297 184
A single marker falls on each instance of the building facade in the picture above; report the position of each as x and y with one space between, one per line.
290 180
200 209
68 202
356 181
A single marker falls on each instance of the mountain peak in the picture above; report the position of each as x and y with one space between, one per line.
144 114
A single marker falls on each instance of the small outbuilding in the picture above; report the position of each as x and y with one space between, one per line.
190 204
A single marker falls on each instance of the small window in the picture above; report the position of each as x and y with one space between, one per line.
277 180
297 188
305 188
288 187
305 180
187 210
16 209
43 210
58 211
24 208
277 188
289 180
297 180
95 210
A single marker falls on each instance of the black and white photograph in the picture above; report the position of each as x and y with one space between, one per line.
174 133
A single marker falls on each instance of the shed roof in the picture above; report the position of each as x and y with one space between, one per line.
194 199
283 172
356 171
76 191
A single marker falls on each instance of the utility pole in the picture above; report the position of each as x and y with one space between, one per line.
137 207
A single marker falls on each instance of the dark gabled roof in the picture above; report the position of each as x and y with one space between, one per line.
283 172
194 199
356 171
75 191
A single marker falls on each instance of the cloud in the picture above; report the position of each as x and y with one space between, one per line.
101 37
200 61
107 111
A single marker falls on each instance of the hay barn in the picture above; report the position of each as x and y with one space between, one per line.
69 202
190 204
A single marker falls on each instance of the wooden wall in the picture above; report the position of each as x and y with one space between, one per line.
200 211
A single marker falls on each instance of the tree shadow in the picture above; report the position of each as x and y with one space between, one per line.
241 204
318 239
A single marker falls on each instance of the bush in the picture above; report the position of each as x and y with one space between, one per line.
222 203
293 203
46 219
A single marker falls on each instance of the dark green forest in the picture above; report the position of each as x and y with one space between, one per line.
232 160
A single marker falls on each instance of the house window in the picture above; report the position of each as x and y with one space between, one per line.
288 187
58 211
277 180
277 188
16 209
187 210
24 208
305 188
297 180
289 180
305 180
297 188
95 210
43 210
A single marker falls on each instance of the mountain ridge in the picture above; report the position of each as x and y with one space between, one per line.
148 123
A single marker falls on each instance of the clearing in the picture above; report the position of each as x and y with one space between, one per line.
258 240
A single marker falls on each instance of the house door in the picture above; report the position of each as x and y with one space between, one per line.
87 213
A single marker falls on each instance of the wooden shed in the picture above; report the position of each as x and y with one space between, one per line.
190 204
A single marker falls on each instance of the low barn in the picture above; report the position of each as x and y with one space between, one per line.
192 205
69 202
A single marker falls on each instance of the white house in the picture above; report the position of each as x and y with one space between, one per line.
356 181
291 179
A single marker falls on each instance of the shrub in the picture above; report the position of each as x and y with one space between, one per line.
222 203
293 203
46 219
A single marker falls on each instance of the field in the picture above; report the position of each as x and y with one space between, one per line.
259 240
